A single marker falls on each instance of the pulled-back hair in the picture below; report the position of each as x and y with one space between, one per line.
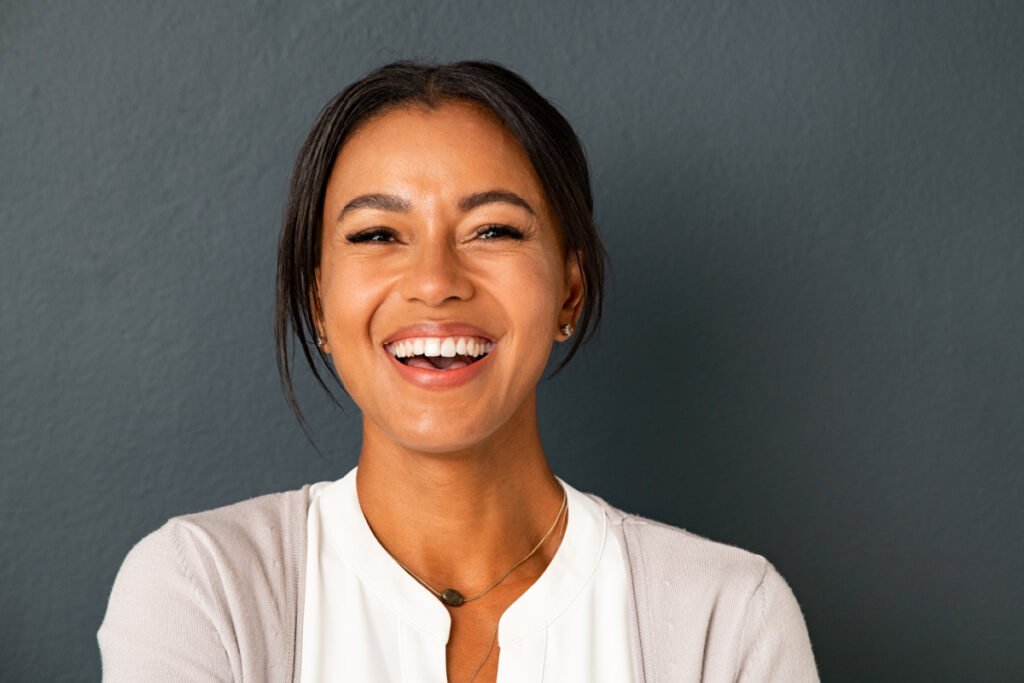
547 138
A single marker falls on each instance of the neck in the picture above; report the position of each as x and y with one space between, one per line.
462 519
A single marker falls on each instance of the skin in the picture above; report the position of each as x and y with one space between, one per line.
453 482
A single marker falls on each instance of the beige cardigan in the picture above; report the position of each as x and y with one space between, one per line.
217 596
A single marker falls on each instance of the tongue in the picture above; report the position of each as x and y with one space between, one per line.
439 362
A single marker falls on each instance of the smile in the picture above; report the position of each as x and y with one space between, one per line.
439 354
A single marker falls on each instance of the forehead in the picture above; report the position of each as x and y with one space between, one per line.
448 151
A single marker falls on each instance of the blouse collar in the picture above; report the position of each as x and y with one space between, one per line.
572 566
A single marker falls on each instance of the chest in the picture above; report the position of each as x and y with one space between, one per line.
538 635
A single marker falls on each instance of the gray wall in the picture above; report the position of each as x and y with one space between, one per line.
815 338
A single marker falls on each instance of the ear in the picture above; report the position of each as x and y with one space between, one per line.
318 315
574 289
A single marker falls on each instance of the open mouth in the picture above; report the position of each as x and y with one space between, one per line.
439 353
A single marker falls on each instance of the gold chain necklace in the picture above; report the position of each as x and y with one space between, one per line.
454 598
495 636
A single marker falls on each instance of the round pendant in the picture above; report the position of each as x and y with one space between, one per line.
452 597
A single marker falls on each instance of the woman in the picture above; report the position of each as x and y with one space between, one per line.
438 241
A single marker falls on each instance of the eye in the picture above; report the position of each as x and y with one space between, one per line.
490 232
372 235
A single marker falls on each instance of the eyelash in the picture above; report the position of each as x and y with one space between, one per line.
504 230
372 234
369 235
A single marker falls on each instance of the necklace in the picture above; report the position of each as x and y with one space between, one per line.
495 636
454 598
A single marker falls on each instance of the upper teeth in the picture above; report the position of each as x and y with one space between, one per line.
439 346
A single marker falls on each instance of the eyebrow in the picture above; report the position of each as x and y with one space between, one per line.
396 204
381 202
494 197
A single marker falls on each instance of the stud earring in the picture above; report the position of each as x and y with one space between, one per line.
319 341
567 330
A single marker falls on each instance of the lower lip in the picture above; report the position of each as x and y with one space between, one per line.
441 379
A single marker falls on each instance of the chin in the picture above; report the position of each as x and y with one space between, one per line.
441 436
444 428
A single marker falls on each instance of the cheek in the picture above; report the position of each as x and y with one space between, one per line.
533 290
349 298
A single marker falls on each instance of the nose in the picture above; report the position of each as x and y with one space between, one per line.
434 274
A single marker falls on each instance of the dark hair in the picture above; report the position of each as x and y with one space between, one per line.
545 135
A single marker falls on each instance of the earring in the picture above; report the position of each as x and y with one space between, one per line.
319 341
567 330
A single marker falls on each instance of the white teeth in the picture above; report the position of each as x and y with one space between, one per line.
440 346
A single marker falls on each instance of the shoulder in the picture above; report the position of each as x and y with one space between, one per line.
208 594
212 549
237 532
671 551
227 540
263 526
697 595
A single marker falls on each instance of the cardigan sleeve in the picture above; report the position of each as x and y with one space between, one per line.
162 623
776 645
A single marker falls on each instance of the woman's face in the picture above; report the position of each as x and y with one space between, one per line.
437 239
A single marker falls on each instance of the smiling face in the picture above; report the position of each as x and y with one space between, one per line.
438 238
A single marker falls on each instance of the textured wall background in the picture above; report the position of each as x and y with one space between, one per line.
815 339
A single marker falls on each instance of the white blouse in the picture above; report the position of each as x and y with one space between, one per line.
366 619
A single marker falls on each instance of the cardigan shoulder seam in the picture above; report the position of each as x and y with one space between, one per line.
242 525
185 558
175 528
759 590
